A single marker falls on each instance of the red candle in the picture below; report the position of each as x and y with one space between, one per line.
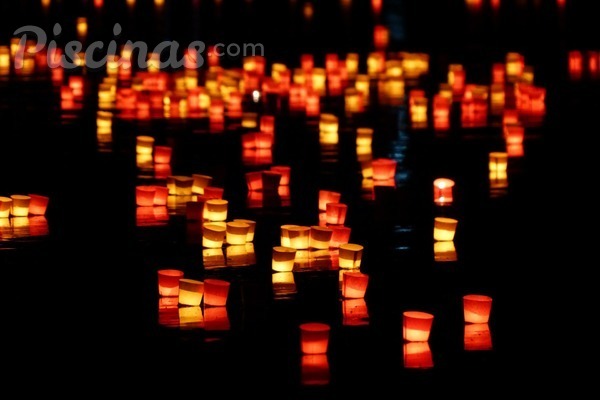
514 133
307 62
267 124
336 213
498 71
327 196
477 308
161 193
254 181
341 235
162 154
383 169
314 338
442 191
38 204
144 196
284 171
416 326
354 285
297 97
381 37
313 104
477 337
168 282
212 192
417 355
215 292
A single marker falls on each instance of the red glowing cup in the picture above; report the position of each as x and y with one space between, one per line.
38 204
314 338
215 292
168 282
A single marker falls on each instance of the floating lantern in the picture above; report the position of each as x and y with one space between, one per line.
144 144
446 91
200 183
315 370
283 259
318 81
416 326
267 124
190 317
383 169
180 185
285 235
340 235
442 191
190 292
575 64
510 117
38 204
297 99
4 58
249 120
299 237
354 285
213 236
168 282
320 237
515 63
313 104
352 60
444 229
417 355
514 134
477 337
334 83
251 228
364 137
314 338
307 62
363 84
350 255
254 181
237 232
498 163
498 97
20 205
215 292
168 312
444 251
5 207
328 124
161 194
144 196
216 209
477 308
336 213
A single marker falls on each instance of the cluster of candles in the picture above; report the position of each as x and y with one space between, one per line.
181 300
23 216
581 63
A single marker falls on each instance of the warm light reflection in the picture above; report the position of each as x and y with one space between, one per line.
191 317
355 312
478 337
575 64
315 370
444 251
168 312
216 319
417 355
283 284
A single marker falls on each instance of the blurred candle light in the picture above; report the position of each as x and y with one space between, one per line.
254 181
575 64
594 63
283 259
267 124
510 117
417 355
216 292
375 64
354 284
363 85
441 112
284 171
497 98
514 134
353 101
478 337
381 37
444 229
183 185
168 312
161 194
352 60
190 292
477 308
162 154
314 337
498 163
416 326
442 191
498 70
237 232
213 236
318 81
315 370
38 204
350 255
5 207
168 282
313 104
212 192
194 210
20 205
457 79
270 181
336 213
82 28
216 319
515 63
216 209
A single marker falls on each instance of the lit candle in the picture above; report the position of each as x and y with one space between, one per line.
216 209
213 236
320 237
417 355
20 205
444 229
168 282
350 255
336 213
314 338
190 292
283 259
354 284
237 232
477 308
216 292
416 326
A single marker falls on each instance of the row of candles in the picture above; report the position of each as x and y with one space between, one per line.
23 216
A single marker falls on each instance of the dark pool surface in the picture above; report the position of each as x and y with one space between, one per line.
81 284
